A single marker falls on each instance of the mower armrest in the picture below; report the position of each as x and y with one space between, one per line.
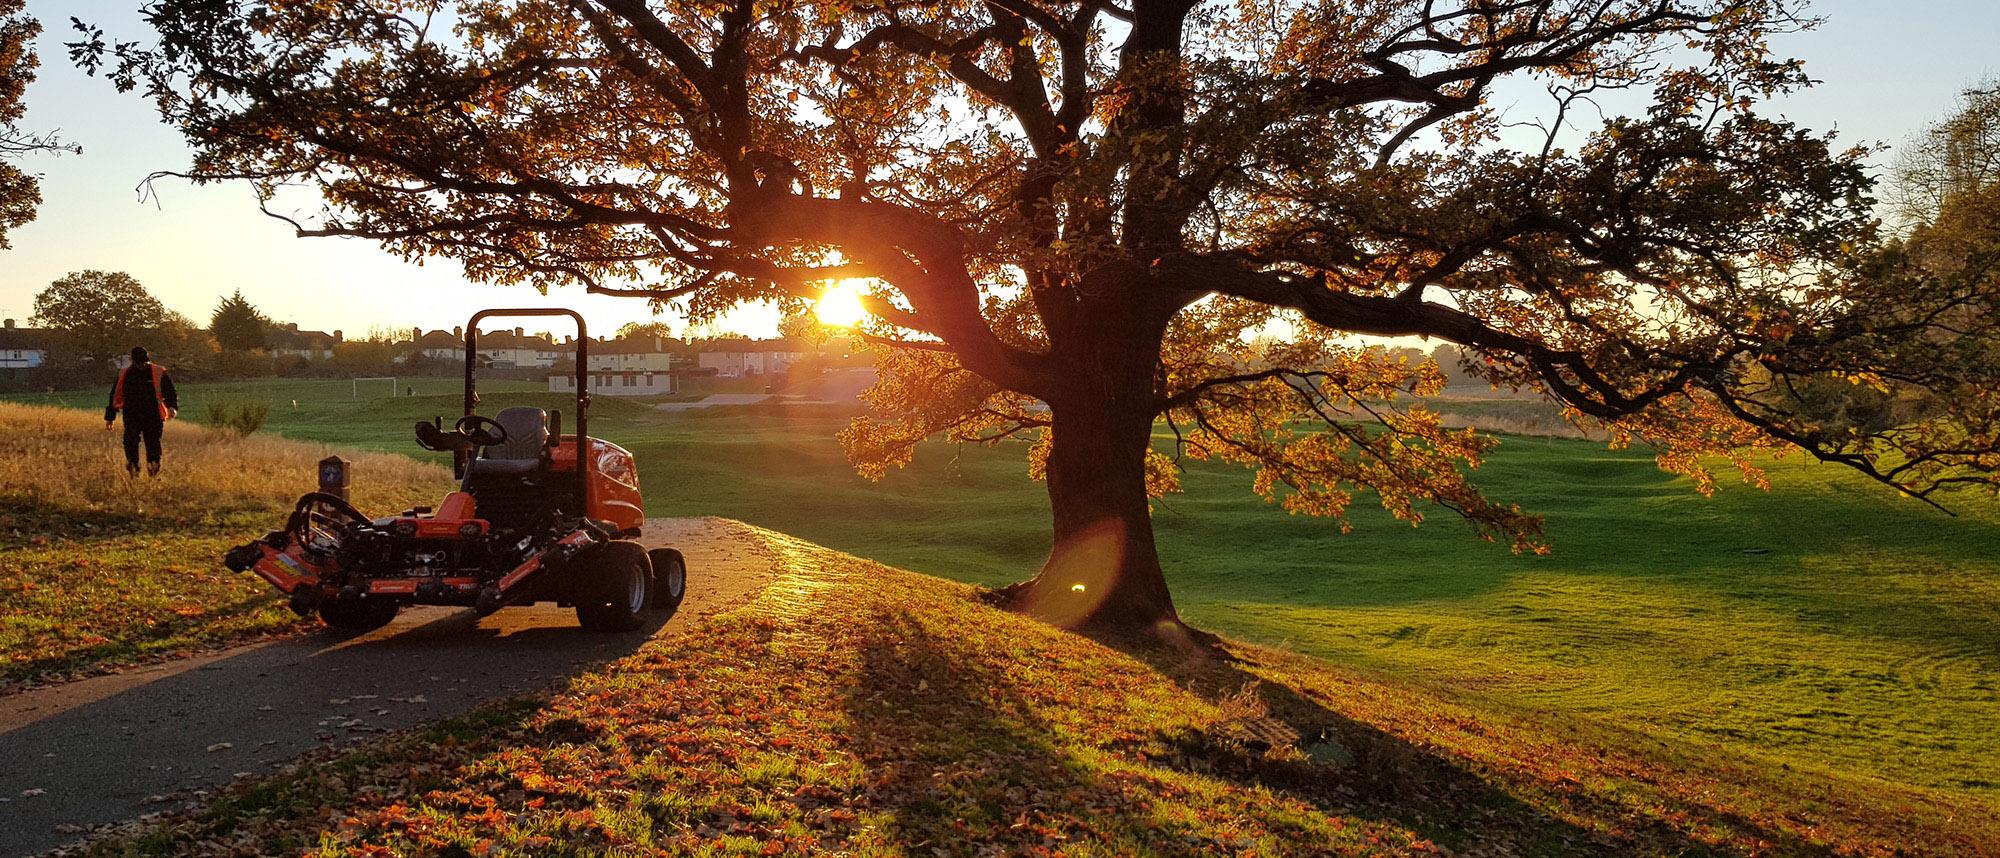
503 467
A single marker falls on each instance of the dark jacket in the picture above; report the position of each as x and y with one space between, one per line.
140 406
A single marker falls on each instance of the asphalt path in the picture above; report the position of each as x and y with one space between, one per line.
116 747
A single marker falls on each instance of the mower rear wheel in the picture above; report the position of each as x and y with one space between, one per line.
615 586
359 615
670 576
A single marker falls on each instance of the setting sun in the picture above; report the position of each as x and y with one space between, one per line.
840 306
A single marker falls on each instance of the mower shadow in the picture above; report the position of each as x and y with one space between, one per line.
135 643
453 627
99 748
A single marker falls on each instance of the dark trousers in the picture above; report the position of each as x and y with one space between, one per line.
136 431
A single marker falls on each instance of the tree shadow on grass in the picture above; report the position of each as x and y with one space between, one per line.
959 759
1347 767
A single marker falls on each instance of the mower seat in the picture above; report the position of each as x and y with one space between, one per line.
526 449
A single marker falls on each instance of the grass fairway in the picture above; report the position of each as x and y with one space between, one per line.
1824 625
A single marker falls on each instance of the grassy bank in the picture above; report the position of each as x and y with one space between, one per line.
856 709
100 569
1825 625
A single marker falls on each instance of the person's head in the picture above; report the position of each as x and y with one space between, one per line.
139 355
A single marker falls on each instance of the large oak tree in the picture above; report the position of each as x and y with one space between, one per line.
1086 219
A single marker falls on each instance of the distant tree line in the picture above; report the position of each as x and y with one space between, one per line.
93 317
1944 196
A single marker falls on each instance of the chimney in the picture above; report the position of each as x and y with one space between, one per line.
10 324
416 334
339 337
568 339
291 326
458 332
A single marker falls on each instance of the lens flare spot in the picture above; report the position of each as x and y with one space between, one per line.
1091 560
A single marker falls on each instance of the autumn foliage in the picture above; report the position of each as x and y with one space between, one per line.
1086 218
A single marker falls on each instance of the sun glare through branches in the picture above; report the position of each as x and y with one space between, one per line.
840 305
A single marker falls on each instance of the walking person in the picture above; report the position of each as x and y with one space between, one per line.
145 393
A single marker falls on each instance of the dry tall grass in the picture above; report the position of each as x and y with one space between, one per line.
98 569
58 460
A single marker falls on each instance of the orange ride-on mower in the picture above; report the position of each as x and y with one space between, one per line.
539 516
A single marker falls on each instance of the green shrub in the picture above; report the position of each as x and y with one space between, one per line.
240 418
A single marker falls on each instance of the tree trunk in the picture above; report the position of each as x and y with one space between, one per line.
1103 570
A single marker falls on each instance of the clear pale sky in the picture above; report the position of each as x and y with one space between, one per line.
1887 69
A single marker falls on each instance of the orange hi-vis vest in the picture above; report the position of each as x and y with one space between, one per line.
118 393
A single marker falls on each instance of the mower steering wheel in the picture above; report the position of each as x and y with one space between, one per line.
482 431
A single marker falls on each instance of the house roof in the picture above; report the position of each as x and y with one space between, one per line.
487 340
636 346
739 345
26 338
440 340
508 340
293 338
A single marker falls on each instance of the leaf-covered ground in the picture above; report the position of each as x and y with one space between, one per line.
97 569
860 709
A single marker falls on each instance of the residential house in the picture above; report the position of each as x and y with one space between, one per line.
634 354
629 382
517 349
439 345
549 354
22 350
737 358
500 349
289 341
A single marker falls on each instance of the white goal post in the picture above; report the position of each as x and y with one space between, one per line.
388 378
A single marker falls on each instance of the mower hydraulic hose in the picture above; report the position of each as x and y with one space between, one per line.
310 498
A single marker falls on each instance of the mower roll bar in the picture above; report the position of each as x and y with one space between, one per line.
582 386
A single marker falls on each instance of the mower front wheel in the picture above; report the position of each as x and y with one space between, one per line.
357 615
615 587
670 576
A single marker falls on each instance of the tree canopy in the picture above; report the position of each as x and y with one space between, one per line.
101 314
1953 162
237 325
637 330
20 193
1085 217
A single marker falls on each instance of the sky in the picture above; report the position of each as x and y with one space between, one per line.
1887 67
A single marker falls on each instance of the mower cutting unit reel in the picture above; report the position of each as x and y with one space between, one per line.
540 516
